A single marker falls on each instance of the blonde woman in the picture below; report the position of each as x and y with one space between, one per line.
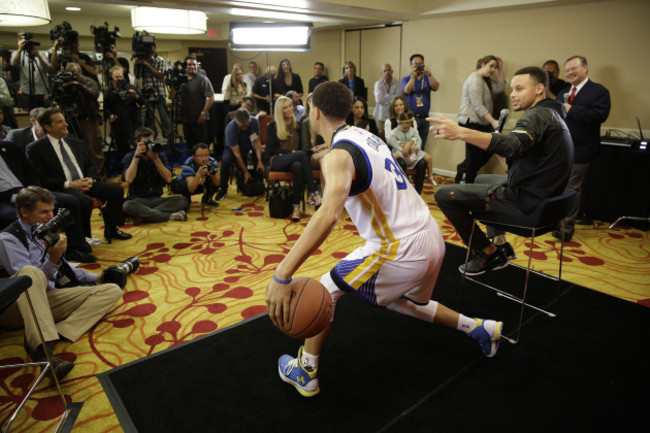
236 89
283 153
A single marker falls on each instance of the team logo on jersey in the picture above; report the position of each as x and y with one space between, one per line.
374 141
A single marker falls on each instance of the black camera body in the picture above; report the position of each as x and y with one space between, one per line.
176 75
419 68
62 93
49 232
212 169
104 38
64 34
117 274
142 44
29 41
153 146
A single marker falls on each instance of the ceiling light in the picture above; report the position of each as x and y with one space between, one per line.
18 13
170 21
72 9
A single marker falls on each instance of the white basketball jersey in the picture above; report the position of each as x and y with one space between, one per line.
387 208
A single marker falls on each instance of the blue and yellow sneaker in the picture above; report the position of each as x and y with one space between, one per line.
488 334
292 371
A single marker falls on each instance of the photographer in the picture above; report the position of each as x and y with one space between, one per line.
78 99
197 96
67 301
111 59
147 171
121 110
33 73
152 71
198 175
71 54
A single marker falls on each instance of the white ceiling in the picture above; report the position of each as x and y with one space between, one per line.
330 13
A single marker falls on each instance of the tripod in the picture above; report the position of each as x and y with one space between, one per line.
31 62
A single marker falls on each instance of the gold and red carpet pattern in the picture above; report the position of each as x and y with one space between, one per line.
210 272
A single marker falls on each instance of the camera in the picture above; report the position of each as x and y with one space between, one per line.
64 34
104 38
117 274
29 41
142 44
419 68
60 92
212 169
49 232
153 146
176 75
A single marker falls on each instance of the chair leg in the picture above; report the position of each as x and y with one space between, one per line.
47 365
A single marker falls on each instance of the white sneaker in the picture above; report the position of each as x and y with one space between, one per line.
178 216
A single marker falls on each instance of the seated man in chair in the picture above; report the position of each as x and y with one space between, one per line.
539 154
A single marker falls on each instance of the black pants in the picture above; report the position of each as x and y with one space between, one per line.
298 164
475 157
195 133
114 196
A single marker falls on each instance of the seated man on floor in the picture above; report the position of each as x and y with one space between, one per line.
198 175
242 136
539 154
147 171
67 301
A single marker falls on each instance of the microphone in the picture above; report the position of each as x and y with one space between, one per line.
567 95
503 115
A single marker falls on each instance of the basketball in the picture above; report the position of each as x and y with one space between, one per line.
310 310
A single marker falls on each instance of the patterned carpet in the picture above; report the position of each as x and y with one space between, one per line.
210 272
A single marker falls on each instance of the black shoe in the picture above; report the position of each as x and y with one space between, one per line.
567 236
116 233
479 263
85 247
220 195
75 255
507 251
61 367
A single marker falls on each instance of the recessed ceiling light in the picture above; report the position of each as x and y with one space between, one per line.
72 8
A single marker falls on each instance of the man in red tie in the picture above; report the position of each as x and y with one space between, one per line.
587 105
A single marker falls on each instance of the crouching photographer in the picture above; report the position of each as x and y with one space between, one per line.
198 175
67 301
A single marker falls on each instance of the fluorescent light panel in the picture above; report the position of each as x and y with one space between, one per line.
270 36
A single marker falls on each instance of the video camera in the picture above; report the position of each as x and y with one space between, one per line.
49 232
104 38
117 274
60 92
212 169
142 44
176 75
64 34
29 41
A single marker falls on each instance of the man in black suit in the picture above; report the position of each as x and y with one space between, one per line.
22 137
64 164
15 173
587 105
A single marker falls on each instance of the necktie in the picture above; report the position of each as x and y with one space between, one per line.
74 173
573 93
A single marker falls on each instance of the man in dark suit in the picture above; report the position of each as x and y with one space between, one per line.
22 137
15 173
587 105
64 164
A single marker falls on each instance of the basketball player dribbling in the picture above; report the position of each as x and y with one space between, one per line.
398 266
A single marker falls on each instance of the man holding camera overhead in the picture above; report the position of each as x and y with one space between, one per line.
147 171
67 301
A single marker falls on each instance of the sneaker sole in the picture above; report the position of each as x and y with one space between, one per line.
473 274
301 390
497 339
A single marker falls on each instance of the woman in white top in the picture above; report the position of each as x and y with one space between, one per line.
397 106
236 89
476 112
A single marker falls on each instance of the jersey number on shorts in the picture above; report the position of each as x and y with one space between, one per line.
400 177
